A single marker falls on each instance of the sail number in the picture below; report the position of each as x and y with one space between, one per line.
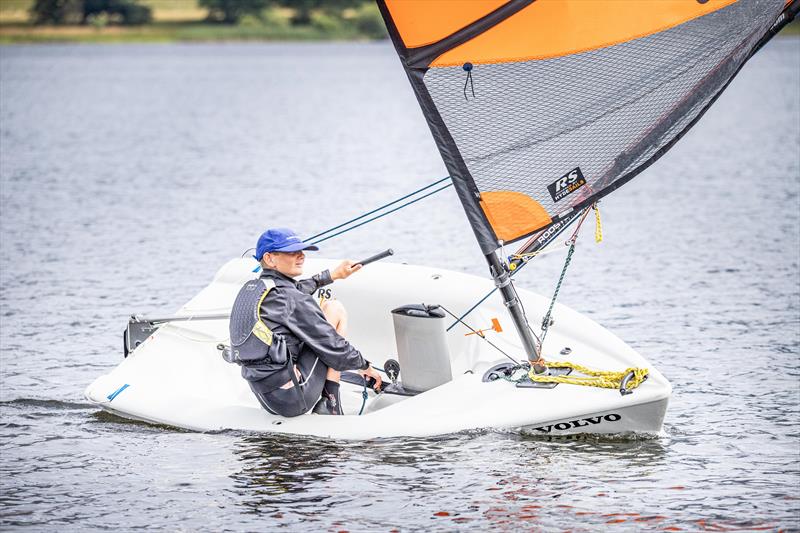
324 294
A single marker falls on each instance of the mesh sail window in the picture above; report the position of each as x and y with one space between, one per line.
542 107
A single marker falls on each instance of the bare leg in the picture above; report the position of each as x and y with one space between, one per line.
336 314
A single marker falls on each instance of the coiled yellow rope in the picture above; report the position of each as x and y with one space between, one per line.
592 378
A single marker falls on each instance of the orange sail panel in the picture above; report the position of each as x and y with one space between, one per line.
423 22
552 28
513 214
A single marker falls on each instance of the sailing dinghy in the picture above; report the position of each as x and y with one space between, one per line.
539 109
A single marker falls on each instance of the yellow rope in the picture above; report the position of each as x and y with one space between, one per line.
592 378
598 228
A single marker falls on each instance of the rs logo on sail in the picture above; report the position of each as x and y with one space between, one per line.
567 184
583 422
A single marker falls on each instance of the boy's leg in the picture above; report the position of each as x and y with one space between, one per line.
329 404
336 314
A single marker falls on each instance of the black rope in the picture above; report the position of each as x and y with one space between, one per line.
572 240
379 216
468 68
546 319
342 225
364 396
368 213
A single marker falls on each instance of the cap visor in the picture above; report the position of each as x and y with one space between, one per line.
296 247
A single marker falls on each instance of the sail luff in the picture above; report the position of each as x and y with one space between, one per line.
462 180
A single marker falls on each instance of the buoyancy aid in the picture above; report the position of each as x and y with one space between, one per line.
263 355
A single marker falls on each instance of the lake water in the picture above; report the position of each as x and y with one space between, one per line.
129 174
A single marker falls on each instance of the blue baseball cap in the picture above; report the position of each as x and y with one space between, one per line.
280 240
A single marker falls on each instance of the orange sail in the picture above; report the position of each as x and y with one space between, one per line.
541 107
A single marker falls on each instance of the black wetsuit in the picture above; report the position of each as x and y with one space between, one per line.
290 310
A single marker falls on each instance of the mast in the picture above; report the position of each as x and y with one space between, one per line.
502 280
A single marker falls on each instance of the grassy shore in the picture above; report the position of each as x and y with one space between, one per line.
184 21
171 32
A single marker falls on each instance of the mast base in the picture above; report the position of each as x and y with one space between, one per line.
539 366
526 382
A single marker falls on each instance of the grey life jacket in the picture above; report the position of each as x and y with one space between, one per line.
263 355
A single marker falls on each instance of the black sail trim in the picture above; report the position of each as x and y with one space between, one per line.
463 182
423 56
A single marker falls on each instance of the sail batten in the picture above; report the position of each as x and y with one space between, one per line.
550 124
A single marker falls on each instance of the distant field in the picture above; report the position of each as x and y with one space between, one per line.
14 10
172 10
168 32
183 20
18 11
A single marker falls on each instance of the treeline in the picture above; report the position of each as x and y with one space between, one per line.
83 11
325 15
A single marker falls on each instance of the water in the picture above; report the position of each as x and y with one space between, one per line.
129 174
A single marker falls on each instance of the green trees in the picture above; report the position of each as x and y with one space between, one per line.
303 8
231 11
57 11
229 19
329 17
369 22
81 11
126 11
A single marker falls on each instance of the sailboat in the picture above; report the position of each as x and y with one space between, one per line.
539 109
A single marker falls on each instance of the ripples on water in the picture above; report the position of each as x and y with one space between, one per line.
129 174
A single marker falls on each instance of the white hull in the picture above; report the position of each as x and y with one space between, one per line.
178 378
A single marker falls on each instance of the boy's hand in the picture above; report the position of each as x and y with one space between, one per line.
345 269
372 373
